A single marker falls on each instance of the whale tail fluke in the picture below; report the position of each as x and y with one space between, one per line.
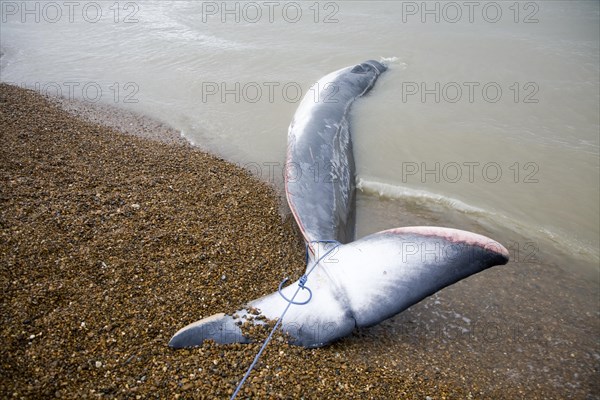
360 284
221 328
385 273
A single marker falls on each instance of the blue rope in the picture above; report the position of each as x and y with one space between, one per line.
301 286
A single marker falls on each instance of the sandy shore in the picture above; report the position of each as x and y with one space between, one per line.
109 243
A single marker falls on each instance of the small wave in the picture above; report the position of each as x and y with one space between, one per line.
394 192
388 60
561 241
392 60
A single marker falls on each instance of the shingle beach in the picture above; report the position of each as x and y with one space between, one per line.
110 243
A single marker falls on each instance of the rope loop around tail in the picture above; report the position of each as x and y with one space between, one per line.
304 278
301 285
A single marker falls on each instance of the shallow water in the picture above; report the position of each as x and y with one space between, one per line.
492 111
487 120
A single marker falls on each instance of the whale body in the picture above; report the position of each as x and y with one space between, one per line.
352 283
320 171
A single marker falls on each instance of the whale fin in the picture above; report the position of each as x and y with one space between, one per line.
221 328
387 272
361 284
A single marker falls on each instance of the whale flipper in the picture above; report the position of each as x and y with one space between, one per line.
220 327
387 272
361 284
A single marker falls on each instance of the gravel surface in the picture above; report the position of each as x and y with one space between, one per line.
110 243
120 119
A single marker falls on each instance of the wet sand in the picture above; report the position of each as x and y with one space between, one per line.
109 243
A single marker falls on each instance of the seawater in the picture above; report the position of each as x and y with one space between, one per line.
488 118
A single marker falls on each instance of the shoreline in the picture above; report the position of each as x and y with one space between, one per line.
121 120
111 243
